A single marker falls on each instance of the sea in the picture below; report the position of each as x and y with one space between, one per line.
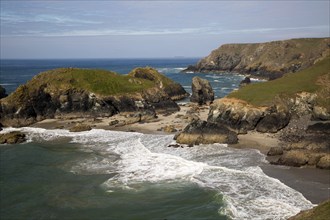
101 174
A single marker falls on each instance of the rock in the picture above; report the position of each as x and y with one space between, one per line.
170 129
319 128
3 93
273 122
202 92
202 132
274 151
236 114
14 137
321 113
324 162
294 158
80 127
44 97
245 82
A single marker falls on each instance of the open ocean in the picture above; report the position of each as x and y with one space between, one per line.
102 174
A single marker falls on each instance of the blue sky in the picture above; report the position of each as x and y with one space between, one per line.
130 29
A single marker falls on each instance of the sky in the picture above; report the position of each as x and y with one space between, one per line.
150 29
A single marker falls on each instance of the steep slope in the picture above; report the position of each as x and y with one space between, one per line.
87 93
265 60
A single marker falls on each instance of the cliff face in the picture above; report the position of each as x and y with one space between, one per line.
71 92
265 60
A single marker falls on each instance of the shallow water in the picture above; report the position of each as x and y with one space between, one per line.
118 175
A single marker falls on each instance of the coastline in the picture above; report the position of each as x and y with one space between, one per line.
313 183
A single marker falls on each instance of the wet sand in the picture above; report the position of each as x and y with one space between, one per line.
313 183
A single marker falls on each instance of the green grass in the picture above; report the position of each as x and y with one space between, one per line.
97 81
263 94
320 212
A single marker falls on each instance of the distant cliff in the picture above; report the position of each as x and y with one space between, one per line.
73 92
265 60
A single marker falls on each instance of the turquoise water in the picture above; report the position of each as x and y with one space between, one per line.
119 175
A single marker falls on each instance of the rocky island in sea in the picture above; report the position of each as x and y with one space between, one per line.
294 108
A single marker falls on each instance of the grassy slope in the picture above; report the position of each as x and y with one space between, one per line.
97 81
307 80
320 212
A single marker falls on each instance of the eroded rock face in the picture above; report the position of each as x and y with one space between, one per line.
202 132
202 92
235 114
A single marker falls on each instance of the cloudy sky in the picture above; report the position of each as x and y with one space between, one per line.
144 29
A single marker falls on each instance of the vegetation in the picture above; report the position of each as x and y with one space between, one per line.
314 79
320 212
101 82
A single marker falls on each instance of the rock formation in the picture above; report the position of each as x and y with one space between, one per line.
265 60
71 92
14 137
202 92
202 132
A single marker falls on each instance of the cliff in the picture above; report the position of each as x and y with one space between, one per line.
265 60
289 107
73 92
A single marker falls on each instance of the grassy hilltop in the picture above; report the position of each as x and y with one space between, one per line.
315 79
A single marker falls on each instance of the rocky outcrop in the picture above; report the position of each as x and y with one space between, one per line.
202 92
3 93
265 60
304 145
70 92
202 132
14 137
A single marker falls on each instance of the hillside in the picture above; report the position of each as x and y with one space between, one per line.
88 92
265 60
315 79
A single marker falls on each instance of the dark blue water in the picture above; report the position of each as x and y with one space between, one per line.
16 72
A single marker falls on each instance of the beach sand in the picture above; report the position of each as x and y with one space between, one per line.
313 183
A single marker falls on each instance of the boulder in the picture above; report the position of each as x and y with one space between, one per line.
202 132
294 158
321 113
14 137
80 127
236 114
273 122
324 162
274 151
202 92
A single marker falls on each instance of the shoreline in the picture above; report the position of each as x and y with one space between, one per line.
313 183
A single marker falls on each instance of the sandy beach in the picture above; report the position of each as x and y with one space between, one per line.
313 183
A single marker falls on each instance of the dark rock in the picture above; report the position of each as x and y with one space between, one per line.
80 127
245 81
202 132
202 92
273 122
274 151
319 128
14 137
3 93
